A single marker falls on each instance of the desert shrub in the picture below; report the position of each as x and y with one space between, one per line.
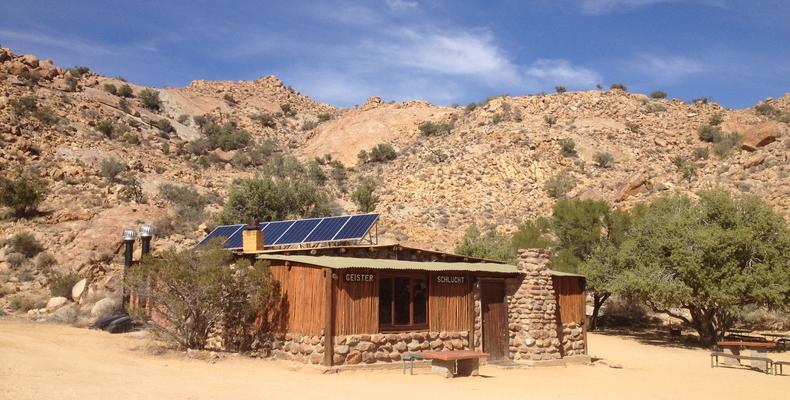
132 190
22 195
701 153
659 94
22 302
618 86
23 243
726 143
701 100
183 119
188 203
686 167
123 105
309 125
568 147
560 89
338 172
229 100
150 99
763 318
708 133
125 91
46 115
288 110
550 120
265 120
491 245
71 83
16 260
201 288
470 107
603 159
323 117
79 71
24 105
285 190
106 127
225 137
315 173
363 156
429 128
655 107
382 152
715 119
633 127
45 261
60 285
110 88
766 110
111 168
365 196
559 185
164 125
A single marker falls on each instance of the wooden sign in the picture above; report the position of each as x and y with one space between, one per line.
359 277
451 279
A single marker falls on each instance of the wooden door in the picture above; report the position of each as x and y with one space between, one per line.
492 298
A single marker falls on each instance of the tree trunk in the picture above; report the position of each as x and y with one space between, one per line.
703 322
598 300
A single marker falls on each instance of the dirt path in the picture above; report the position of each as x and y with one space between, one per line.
59 362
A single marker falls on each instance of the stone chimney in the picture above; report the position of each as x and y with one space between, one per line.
532 310
252 238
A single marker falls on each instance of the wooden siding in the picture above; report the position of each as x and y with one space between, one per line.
356 304
301 308
449 307
569 291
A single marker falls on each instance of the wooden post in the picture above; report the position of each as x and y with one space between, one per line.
328 318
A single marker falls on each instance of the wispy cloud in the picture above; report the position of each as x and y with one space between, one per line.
599 7
562 72
402 5
665 69
58 41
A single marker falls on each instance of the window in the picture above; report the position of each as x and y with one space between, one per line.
403 302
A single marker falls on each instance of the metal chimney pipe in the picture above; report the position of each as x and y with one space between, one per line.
146 232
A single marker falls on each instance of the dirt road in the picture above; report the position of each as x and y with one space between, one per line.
58 362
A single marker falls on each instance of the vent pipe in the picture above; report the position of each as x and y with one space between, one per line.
146 232
128 240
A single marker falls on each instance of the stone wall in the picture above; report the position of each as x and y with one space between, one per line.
572 340
532 310
388 347
297 347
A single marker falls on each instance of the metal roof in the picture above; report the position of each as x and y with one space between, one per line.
386 263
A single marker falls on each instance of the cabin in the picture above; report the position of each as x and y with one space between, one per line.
353 301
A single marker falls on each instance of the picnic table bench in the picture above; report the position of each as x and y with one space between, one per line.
448 363
769 364
757 358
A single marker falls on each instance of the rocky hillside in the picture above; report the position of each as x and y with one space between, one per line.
491 168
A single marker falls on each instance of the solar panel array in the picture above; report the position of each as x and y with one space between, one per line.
302 231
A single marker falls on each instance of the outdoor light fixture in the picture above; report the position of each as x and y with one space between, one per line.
128 235
146 230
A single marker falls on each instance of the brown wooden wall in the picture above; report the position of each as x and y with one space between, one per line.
450 304
569 291
356 304
301 308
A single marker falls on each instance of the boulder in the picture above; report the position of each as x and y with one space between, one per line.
341 349
16 67
759 135
353 358
78 289
104 307
56 302
754 160
64 315
30 60
634 184
365 346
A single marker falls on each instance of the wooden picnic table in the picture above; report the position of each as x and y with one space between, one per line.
455 363
757 351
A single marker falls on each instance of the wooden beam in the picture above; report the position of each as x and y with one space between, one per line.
328 318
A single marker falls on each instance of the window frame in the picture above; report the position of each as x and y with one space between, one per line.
411 326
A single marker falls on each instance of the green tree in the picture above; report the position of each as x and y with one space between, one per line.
22 195
711 256
365 196
491 245
150 99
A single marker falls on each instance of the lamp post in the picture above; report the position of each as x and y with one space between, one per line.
146 232
128 240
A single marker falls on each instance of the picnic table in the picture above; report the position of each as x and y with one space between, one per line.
449 363
756 358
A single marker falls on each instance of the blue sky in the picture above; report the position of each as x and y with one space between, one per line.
341 52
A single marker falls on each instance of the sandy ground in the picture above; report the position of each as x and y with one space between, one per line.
53 361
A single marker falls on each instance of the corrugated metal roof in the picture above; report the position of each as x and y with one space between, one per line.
385 263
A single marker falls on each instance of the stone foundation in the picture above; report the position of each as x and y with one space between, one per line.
572 340
301 348
388 347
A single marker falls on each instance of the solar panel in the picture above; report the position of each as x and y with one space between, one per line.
356 227
313 230
327 229
274 230
225 231
298 231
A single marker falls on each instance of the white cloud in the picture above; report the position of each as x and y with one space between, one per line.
71 44
562 72
599 7
664 69
402 5
447 53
